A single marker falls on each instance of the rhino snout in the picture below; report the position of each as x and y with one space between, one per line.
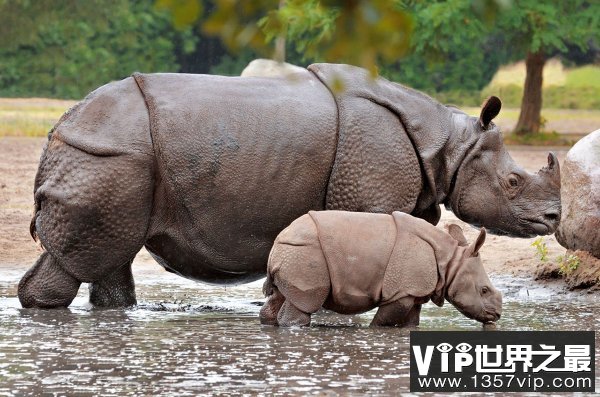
546 223
552 218
492 315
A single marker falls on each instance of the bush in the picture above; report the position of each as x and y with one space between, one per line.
568 97
459 98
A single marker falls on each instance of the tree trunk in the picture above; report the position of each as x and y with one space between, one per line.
279 55
531 105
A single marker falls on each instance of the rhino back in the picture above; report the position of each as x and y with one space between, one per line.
238 160
112 120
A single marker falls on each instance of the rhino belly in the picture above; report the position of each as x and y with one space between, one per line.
239 159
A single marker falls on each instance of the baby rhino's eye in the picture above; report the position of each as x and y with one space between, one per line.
485 290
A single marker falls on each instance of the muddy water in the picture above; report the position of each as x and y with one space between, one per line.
188 339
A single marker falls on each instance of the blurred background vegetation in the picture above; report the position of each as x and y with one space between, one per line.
454 50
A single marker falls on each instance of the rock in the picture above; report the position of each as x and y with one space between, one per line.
547 271
271 68
587 273
579 227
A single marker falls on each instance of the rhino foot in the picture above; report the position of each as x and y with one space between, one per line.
115 290
47 285
269 311
289 316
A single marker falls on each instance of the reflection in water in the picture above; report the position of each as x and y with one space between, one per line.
187 338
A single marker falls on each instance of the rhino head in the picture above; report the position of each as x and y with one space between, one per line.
468 286
491 190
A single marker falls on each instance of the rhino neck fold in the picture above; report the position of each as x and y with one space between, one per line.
438 134
442 149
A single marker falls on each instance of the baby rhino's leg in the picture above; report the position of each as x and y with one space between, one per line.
394 313
268 313
290 315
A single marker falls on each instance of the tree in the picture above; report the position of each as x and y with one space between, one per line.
362 32
66 48
538 29
449 49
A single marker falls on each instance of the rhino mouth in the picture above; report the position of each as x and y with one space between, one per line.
541 227
526 228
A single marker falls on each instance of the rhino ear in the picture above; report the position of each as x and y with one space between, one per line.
457 233
490 109
474 248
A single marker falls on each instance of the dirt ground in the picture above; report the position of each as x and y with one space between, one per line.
18 163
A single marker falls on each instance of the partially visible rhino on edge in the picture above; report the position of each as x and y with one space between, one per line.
352 262
271 68
205 171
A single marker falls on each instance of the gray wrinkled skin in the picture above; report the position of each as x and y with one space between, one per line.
205 171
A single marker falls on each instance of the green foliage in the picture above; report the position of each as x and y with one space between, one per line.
67 60
362 32
304 23
183 12
567 264
450 50
549 26
233 65
458 97
541 250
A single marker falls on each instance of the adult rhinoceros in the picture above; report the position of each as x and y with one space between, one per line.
205 171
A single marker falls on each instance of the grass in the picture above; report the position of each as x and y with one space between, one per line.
575 122
586 76
30 117
541 139
575 88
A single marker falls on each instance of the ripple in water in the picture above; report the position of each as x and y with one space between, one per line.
187 338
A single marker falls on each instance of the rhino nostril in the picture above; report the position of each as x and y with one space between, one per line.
552 216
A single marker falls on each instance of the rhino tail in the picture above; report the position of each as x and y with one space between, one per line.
32 227
38 181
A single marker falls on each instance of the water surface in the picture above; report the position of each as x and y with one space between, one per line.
186 338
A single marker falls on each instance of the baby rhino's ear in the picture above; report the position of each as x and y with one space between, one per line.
456 232
474 248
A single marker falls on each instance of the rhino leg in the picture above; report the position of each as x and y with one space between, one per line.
413 317
47 285
393 313
92 214
269 311
289 315
115 290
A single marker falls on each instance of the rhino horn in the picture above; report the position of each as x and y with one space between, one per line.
552 170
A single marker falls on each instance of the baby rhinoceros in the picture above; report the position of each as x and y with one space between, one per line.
352 262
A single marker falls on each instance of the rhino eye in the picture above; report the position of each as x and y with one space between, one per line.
513 181
485 290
